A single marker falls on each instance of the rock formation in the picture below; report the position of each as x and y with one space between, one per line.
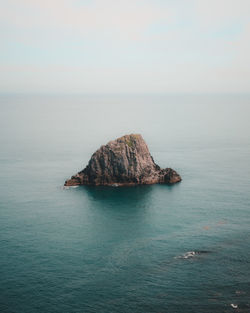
124 161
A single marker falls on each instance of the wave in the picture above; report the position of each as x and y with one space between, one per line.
68 187
191 254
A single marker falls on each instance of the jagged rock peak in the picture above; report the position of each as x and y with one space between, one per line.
124 161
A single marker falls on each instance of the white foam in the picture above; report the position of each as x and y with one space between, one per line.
68 187
235 306
187 255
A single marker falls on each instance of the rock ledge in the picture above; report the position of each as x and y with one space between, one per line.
121 162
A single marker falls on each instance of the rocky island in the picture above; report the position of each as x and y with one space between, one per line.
121 162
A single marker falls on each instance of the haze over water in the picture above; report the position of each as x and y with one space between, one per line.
181 248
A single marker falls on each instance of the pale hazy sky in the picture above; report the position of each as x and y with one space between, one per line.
107 46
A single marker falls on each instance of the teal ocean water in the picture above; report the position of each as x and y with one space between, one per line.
155 249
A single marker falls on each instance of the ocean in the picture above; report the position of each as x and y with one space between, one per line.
145 249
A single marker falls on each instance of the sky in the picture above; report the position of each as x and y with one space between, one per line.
132 46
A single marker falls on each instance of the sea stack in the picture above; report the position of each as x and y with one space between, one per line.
121 162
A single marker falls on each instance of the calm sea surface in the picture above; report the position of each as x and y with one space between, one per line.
146 249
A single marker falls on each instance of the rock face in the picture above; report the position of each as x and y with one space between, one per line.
124 161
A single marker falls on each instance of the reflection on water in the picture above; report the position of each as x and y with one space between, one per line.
125 195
